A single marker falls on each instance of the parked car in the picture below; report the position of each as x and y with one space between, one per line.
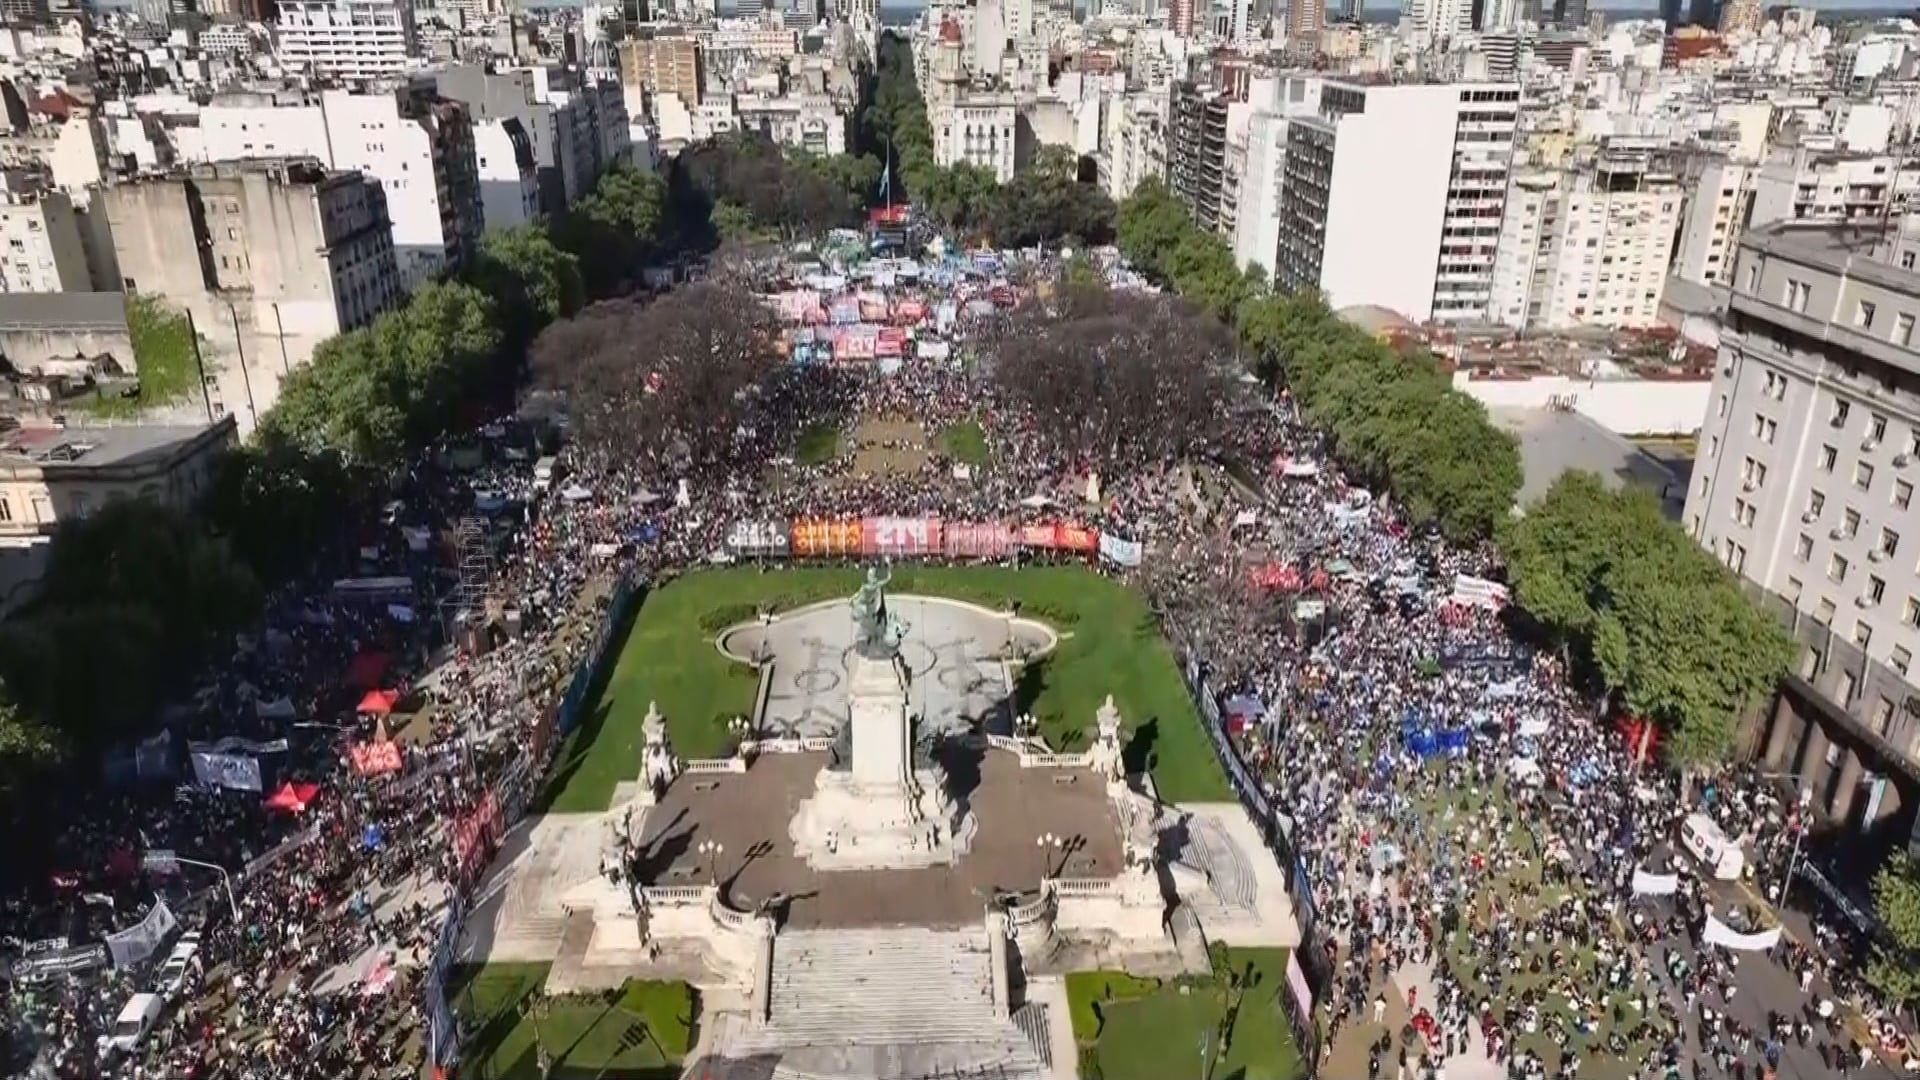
171 979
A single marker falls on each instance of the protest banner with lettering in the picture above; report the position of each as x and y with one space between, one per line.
139 941
814 539
375 758
758 539
980 540
1120 552
1075 538
896 536
239 772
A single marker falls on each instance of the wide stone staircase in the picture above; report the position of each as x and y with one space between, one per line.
898 1003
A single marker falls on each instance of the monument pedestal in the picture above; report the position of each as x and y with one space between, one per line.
881 811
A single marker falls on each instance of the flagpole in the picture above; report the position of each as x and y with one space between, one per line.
886 173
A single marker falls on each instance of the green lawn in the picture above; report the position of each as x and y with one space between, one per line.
817 445
642 1030
965 442
1108 646
1142 1031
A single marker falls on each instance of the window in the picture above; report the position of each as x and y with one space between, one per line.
1734 555
1877 428
1722 406
1824 613
1901 660
1876 589
1816 503
1837 567
1798 293
1863 312
1794 585
1764 429
1776 387
1862 475
1902 494
1889 542
1753 473
1882 715
6 509
1910 614
1803 548
1828 455
1903 328
1841 410
1850 523
1713 446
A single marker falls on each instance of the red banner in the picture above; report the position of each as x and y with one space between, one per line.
1075 538
813 539
375 758
475 835
989 540
1276 576
900 536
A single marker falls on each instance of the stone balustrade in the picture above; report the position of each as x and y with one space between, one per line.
679 895
715 765
1084 887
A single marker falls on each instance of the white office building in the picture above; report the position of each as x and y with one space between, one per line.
354 39
1587 247
419 147
1394 194
41 250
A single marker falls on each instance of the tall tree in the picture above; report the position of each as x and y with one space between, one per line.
1894 968
1151 223
691 393
534 280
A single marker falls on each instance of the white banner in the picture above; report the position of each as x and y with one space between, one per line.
1478 592
137 942
1120 552
237 771
1719 933
1645 884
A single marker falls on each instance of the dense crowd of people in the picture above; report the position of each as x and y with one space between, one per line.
1455 806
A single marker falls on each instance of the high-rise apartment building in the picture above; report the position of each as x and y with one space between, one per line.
662 60
271 258
353 39
1441 18
1586 247
1197 151
1717 213
417 145
1305 19
41 246
576 125
1809 456
1183 17
1417 170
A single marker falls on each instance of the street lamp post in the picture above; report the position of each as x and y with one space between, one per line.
711 850
1047 843
167 860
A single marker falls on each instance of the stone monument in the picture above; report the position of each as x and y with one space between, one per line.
883 803
658 766
1108 755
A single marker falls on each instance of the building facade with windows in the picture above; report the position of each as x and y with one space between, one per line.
1420 170
1805 486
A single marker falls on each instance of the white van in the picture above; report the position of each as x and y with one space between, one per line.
544 472
1704 840
136 1019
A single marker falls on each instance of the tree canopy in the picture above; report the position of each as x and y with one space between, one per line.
1893 968
371 394
1095 371
708 346
135 599
1662 626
